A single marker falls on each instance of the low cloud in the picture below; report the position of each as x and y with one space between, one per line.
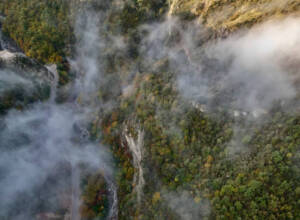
10 80
186 207
248 69
35 145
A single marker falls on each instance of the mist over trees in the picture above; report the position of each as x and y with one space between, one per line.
197 103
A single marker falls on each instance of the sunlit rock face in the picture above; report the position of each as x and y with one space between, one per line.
229 16
5 55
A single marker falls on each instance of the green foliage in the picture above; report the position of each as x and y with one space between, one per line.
225 16
186 149
94 198
41 29
138 12
20 97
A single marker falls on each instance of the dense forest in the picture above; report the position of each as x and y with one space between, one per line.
41 29
200 158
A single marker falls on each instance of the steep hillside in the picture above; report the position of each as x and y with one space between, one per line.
227 15
41 29
197 101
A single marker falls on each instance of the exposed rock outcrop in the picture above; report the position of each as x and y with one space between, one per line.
22 80
228 16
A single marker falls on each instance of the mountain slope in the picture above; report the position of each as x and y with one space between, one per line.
231 15
200 127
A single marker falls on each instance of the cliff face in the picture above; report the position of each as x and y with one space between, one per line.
232 15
